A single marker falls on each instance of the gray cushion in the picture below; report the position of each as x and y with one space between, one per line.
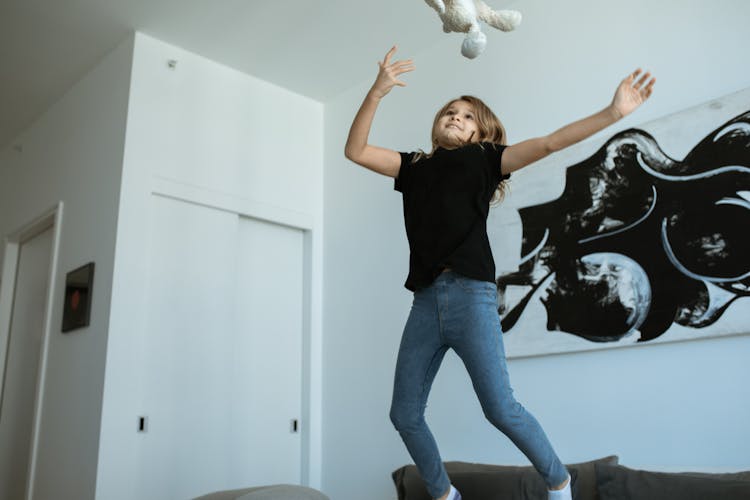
275 492
620 483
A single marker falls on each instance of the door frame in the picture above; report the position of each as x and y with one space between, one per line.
51 218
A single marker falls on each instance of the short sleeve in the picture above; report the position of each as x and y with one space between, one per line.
401 183
494 154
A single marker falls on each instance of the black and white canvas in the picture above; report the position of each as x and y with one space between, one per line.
639 238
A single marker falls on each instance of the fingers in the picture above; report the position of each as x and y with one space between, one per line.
628 80
643 85
395 72
398 65
388 55
646 91
403 66
642 80
649 87
396 68
390 71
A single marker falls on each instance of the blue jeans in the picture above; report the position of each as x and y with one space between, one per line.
461 313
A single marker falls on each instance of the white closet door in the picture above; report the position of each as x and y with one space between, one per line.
270 309
223 352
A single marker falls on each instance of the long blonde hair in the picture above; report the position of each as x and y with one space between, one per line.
490 130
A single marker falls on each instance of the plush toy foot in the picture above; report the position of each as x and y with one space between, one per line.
474 44
504 20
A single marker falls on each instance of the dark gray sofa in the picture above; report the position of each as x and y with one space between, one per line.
601 479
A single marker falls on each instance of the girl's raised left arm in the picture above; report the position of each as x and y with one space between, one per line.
631 93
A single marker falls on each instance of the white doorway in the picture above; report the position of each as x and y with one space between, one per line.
222 355
25 300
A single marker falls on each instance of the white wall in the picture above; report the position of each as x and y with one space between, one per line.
211 132
668 406
73 153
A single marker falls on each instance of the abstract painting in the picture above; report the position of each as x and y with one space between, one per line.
642 245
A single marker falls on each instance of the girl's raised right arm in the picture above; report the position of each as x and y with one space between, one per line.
381 160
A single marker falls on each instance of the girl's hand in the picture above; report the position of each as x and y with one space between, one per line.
632 93
389 73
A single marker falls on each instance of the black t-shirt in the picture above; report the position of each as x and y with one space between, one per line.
446 203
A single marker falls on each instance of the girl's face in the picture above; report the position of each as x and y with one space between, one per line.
457 125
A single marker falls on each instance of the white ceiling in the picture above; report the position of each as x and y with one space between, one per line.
315 48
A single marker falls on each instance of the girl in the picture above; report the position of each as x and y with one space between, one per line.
446 198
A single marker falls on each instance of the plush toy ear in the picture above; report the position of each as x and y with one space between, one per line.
438 5
474 44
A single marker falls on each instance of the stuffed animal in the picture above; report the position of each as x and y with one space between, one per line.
463 16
